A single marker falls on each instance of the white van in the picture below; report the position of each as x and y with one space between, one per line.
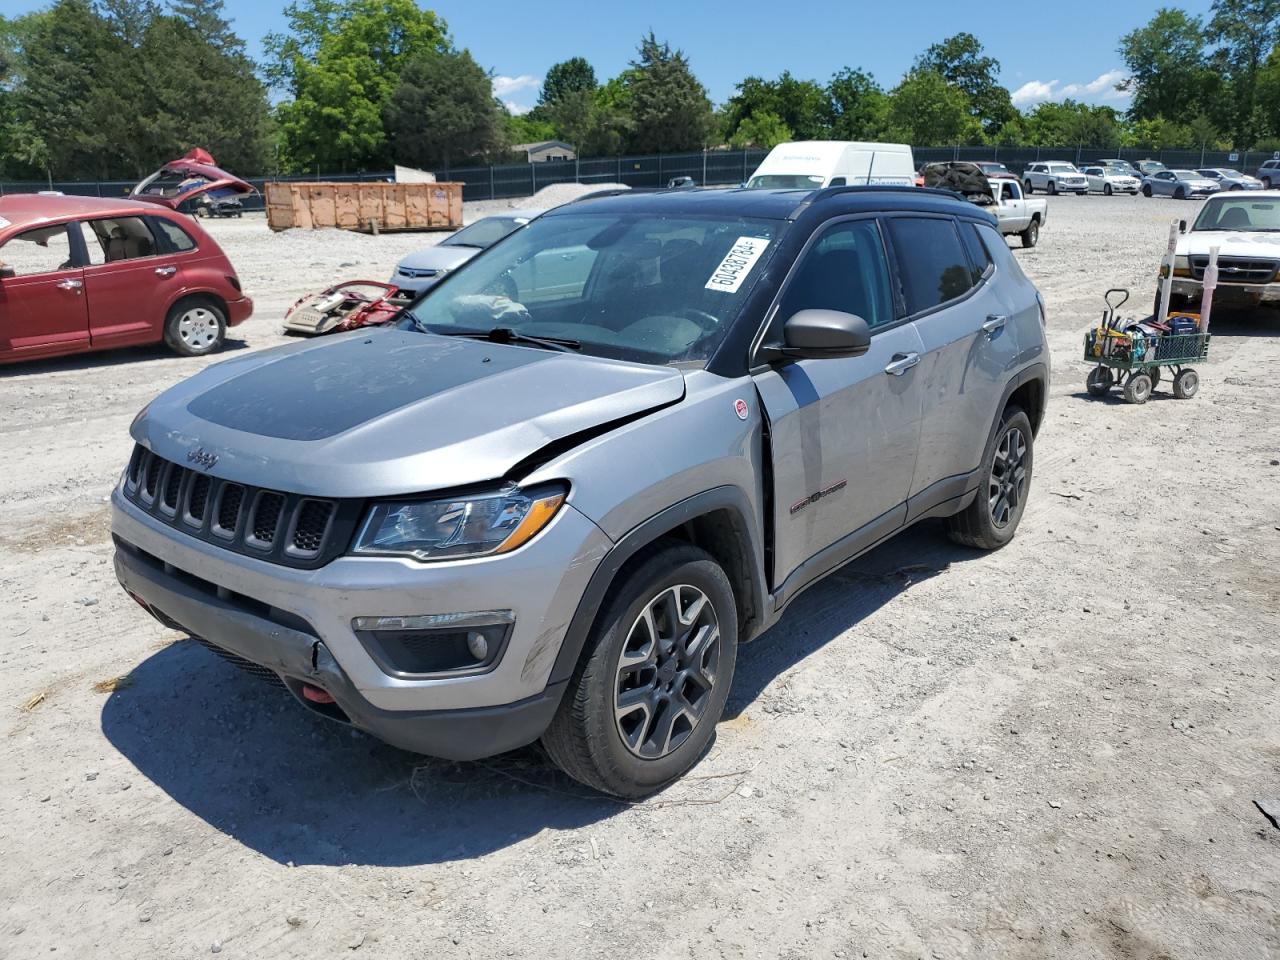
812 164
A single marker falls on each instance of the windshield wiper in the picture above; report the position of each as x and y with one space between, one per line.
508 335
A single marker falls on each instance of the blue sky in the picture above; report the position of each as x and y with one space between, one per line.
518 41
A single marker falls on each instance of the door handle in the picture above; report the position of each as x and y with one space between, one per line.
166 271
901 363
993 323
69 284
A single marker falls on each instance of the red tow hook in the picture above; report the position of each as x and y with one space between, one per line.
315 694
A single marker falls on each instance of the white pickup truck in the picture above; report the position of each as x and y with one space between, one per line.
1002 196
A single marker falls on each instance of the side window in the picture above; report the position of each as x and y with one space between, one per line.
43 250
121 238
979 258
931 260
998 251
844 270
1006 192
176 239
836 182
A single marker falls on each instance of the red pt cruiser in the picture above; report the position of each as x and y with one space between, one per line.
82 273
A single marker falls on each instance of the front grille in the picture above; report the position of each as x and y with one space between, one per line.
286 528
1237 269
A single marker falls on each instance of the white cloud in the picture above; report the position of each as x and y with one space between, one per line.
1101 88
505 86
515 109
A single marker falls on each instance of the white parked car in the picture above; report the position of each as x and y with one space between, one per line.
1246 230
426 267
1055 176
1107 180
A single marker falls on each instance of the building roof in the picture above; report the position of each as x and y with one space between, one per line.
530 147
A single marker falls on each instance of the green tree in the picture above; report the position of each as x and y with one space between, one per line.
339 62
926 111
960 61
526 128
801 105
857 107
1245 32
569 76
1054 124
762 129
1168 73
1269 95
443 111
668 106
590 122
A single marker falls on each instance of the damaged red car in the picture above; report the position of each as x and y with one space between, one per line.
82 273
195 184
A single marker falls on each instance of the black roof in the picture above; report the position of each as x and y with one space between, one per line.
773 204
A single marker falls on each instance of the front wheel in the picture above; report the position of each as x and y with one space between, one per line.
1146 190
1186 384
1180 194
992 519
1030 235
643 702
1027 187
195 327
1137 389
1053 188
1106 189
1100 381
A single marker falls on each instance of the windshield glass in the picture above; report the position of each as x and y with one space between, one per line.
1239 213
484 233
654 289
786 181
1063 168
1187 175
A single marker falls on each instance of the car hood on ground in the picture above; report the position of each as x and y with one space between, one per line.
1232 243
439 257
388 411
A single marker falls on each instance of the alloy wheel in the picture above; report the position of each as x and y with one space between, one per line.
666 671
198 328
1007 483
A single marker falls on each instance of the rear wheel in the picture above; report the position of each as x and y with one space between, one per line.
1030 235
1186 383
195 326
992 519
643 702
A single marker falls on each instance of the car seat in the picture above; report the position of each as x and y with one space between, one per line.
1235 217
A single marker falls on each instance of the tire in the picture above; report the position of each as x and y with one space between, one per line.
992 519
195 327
1053 188
629 753
1137 389
1027 188
1235 186
1100 381
1186 384
1031 235
1266 183
1180 194
1146 189
1106 190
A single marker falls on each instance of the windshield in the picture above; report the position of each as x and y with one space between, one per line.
785 181
1063 168
654 289
1187 175
1239 213
994 167
484 233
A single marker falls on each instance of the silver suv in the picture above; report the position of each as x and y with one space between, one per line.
552 499
1056 176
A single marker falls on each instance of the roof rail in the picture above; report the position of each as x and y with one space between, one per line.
826 192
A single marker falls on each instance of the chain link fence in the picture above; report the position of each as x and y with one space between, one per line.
711 168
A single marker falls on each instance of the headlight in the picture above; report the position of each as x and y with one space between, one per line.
456 527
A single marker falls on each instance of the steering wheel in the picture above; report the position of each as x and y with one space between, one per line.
708 322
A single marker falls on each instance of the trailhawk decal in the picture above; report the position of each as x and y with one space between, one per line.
737 263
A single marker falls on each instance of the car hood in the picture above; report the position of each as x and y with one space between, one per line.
1233 243
439 257
387 411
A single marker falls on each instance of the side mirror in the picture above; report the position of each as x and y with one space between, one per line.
7 272
820 335
1182 226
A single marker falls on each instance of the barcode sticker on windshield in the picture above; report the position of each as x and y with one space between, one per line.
737 263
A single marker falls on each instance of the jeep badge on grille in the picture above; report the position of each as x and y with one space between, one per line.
200 457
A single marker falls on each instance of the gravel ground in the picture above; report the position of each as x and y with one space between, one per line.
1050 751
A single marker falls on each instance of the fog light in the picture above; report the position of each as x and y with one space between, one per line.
435 645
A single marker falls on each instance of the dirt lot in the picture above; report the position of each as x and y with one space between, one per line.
1051 751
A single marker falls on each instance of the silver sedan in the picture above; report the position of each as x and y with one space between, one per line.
1179 184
